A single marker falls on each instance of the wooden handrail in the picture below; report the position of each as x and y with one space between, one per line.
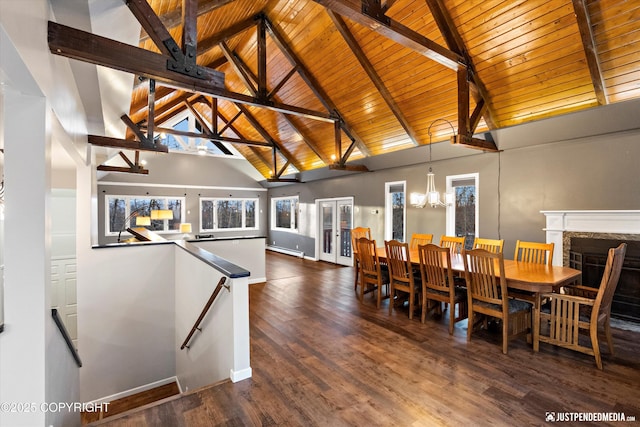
212 298
66 336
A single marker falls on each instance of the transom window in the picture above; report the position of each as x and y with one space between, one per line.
228 214
284 213
124 211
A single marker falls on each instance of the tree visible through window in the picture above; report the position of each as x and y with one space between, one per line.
227 214
462 218
284 213
122 212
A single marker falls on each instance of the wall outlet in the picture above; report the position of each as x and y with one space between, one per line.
296 246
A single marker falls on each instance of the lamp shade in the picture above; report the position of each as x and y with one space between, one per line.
185 227
162 214
143 220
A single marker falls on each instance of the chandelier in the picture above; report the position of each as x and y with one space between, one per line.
432 196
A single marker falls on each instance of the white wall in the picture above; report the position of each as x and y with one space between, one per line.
246 253
209 357
63 370
126 322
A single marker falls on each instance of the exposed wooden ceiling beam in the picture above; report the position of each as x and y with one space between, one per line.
247 77
125 144
397 32
476 143
263 132
218 138
373 75
590 50
257 152
174 18
138 170
314 85
133 167
237 28
207 132
87 47
456 44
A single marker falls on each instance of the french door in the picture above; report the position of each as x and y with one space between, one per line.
334 230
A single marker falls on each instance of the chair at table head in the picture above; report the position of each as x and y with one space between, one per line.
455 244
439 284
401 274
491 245
538 253
418 239
374 276
488 295
582 309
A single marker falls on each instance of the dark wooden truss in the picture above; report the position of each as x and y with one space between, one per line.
175 68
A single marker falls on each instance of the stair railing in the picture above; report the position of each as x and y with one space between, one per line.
205 310
66 336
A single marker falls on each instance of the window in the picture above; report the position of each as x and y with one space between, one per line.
395 211
284 213
462 217
121 212
228 214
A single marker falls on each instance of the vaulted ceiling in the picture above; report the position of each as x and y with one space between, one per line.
312 84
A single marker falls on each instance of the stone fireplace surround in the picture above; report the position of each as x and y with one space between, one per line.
561 226
621 225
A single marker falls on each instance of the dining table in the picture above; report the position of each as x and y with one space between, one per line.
537 279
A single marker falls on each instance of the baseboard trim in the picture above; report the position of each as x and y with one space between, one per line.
135 390
286 251
257 280
240 375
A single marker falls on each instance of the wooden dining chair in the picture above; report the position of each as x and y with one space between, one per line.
374 275
533 252
487 295
418 239
491 245
581 309
438 284
357 233
401 274
537 253
456 244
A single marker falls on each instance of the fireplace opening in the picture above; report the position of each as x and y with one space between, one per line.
590 256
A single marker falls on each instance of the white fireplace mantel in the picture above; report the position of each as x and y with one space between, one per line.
614 222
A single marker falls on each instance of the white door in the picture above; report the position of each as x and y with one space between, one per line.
336 221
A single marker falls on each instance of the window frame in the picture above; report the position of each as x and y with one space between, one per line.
255 200
295 215
127 200
451 209
388 201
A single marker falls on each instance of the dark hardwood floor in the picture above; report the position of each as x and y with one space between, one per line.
322 358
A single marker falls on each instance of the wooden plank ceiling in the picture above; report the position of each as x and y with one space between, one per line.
355 62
